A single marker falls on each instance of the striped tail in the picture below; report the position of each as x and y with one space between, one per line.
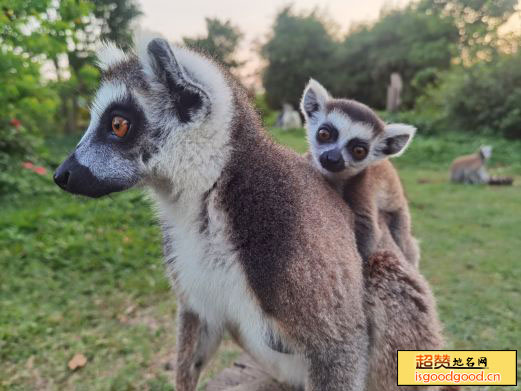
501 181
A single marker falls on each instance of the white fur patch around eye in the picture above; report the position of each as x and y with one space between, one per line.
107 94
108 55
349 129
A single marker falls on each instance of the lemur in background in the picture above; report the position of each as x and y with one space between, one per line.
350 146
471 169
246 224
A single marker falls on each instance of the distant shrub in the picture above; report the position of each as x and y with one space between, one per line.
427 122
483 98
18 149
441 149
27 108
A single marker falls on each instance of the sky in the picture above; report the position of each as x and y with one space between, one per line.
182 18
175 19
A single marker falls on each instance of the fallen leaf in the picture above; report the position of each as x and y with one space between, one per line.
130 309
423 181
123 318
77 361
30 363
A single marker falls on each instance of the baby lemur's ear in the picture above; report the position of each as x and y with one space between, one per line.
314 99
394 140
187 97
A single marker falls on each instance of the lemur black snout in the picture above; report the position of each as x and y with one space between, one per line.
62 175
61 178
332 160
74 177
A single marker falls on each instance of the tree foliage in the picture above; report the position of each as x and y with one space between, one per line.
220 42
478 23
359 66
300 47
412 43
485 97
420 41
115 18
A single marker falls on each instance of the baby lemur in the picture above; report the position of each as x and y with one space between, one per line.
349 145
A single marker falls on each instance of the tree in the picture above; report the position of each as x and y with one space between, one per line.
220 42
408 41
24 96
478 23
483 97
27 104
115 18
300 47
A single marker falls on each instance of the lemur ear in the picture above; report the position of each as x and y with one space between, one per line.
395 139
314 99
486 151
187 96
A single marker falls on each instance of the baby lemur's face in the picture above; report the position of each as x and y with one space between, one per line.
346 136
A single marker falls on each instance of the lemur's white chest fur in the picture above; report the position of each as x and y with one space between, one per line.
207 273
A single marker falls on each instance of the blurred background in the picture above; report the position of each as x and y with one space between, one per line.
84 303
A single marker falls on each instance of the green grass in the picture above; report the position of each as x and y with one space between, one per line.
86 276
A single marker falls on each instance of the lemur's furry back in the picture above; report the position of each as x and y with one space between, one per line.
350 146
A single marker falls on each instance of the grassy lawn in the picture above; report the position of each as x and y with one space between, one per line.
86 276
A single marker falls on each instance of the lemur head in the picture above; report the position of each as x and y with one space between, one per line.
159 114
346 136
485 151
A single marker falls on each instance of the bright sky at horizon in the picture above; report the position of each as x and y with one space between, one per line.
174 19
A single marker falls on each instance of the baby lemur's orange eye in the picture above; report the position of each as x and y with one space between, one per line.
120 126
324 135
359 152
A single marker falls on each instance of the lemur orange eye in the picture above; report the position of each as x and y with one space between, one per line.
120 126
324 135
359 152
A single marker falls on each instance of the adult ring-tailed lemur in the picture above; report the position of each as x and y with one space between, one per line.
255 241
470 169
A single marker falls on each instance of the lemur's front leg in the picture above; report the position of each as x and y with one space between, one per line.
367 230
196 344
367 233
400 226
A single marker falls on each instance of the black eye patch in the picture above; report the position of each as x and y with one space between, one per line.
358 148
129 110
357 142
330 130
